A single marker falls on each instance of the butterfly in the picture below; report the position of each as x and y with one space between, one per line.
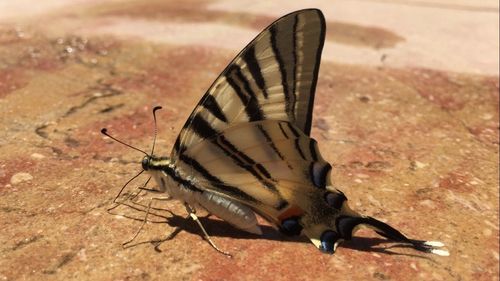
246 147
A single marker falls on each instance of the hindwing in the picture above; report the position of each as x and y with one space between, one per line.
271 166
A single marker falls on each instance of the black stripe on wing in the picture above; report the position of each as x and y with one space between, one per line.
281 63
254 68
201 127
212 105
313 149
283 130
314 80
247 163
294 53
230 190
241 86
270 141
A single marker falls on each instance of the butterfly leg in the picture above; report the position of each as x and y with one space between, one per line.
192 214
126 243
176 231
133 201
148 210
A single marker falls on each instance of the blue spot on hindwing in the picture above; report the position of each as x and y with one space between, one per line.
320 173
335 199
291 226
328 240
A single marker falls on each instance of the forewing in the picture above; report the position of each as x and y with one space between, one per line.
273 78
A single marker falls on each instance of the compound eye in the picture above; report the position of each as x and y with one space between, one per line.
145 163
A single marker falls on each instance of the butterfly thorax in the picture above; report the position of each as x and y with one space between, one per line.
152 162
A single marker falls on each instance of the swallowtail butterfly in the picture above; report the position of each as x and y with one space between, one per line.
246 149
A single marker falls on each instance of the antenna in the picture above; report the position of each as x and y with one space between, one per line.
156 127
104 131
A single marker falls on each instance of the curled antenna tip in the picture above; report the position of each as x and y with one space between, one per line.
156 129
104 131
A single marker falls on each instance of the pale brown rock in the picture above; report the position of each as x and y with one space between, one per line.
20 177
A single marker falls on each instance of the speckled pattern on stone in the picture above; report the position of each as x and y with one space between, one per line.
407 116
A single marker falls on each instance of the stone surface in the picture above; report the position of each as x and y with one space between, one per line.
406 111
20 177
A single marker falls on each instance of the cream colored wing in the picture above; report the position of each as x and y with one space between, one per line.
277 170
273 167
255 157
274 77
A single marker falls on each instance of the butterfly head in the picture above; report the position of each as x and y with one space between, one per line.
146 162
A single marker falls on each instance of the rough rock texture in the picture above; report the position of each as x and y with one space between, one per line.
407 116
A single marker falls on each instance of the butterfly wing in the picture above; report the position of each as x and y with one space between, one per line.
274 77
248 138
277 170
274 168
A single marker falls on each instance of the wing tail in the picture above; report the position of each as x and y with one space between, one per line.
327 240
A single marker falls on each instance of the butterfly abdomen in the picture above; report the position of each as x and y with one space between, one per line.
230 211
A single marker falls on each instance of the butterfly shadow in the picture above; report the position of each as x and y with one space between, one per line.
215 228
219 228
374 245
